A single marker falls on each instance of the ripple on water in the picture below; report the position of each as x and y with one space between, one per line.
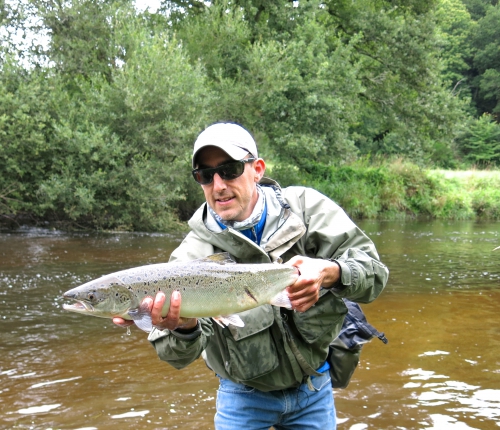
38 409
457 397
131 414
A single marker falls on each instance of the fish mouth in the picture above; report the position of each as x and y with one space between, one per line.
79 306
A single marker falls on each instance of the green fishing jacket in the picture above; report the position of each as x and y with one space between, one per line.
300 221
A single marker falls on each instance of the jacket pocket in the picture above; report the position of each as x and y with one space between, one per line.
324 318
252 352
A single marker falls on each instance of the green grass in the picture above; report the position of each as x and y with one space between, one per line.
468 175
400 190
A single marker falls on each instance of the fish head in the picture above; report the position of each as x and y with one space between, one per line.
105 297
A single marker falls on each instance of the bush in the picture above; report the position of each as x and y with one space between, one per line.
480 144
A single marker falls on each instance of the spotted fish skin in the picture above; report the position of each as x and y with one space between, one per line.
215 286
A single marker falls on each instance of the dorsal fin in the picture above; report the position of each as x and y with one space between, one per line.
219 258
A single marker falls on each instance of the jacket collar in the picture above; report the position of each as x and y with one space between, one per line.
282 230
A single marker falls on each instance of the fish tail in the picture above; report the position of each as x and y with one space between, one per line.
282 300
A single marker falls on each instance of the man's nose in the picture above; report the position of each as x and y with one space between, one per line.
219 183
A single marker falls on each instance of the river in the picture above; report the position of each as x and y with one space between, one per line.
440 369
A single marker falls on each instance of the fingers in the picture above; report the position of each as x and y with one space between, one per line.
171 321
173 318
303 294
157 307
314 273
296 261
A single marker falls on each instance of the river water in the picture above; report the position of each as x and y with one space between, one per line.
440 370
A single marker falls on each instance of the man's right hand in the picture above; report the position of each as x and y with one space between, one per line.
172 321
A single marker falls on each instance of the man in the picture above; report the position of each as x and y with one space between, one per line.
263 366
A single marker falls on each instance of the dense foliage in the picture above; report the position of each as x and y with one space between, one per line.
100 104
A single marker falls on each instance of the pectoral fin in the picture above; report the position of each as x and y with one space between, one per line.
225 320
142 317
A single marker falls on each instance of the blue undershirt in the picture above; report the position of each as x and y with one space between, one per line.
254 233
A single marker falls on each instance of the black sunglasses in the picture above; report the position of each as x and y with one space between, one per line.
227 171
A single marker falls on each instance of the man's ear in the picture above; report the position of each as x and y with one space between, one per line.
259 166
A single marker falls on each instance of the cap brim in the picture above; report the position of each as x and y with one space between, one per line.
235 152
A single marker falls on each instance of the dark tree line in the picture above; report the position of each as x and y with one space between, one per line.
100 104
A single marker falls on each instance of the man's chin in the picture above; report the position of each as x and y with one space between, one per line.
227 215
225 211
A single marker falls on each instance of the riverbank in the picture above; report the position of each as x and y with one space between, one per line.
400 190
388 191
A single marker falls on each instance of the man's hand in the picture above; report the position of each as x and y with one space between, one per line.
314 274
172 321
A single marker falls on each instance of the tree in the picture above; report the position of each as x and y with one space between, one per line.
456 28
298 95
98 128
486 61
477 8
481 143
406 106
109 150
382 91
26 104
10 28
81 35
126 143
471 51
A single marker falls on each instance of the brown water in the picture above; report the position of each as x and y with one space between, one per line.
440 370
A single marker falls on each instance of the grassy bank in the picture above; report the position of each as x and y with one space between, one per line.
396 190
399 190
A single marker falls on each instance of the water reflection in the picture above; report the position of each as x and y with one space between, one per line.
440 370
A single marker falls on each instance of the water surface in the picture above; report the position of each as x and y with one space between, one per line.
440 370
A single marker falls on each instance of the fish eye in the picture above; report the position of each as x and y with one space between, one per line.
91 296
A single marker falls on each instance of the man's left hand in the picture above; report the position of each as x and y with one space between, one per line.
314 274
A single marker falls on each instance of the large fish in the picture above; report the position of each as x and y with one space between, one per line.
215 286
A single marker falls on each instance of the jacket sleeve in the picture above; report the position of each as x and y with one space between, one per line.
331 234
177 349
180 350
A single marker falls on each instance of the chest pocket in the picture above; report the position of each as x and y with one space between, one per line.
251 349
323 320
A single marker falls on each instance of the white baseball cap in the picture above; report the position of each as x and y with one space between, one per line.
232 138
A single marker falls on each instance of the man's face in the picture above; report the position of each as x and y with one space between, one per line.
232 200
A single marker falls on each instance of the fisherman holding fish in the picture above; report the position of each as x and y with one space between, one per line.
262 364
